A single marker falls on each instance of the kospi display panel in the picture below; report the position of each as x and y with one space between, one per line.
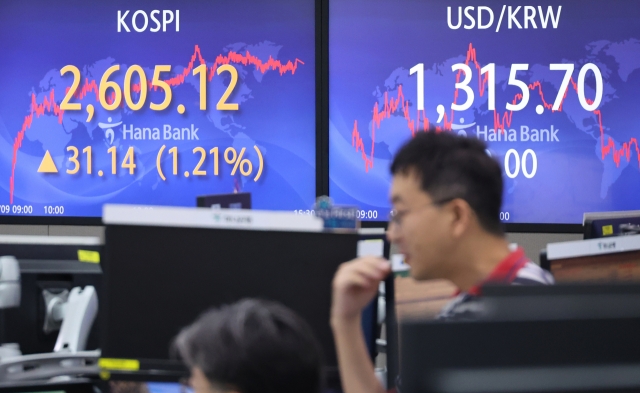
553 88
155 103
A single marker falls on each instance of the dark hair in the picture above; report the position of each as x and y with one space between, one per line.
451 166
253 346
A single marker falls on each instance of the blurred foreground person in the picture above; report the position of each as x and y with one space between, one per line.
252 346
446 193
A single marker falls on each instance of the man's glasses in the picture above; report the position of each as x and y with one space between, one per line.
396 217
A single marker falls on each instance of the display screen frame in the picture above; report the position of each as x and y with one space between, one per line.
321 143
322 136
521 227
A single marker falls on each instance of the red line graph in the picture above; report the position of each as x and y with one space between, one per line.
500 121
49 105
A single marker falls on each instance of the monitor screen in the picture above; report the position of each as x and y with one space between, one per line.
589 353
155 103
558 81
193 269
241 200
610 224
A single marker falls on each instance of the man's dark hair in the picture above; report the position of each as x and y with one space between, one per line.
253 346
451 166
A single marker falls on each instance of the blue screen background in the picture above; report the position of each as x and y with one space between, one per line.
277 109
374 44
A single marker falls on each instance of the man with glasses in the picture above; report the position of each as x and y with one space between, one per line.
446 194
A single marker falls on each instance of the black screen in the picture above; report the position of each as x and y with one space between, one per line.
241 200
160 279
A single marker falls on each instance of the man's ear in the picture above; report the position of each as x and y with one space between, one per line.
461 217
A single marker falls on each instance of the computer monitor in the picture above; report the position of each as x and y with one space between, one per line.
417 58
592 349
606 224
240 200
573 300
167 265
260 138
595 260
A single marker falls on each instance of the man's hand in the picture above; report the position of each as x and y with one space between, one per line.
355 285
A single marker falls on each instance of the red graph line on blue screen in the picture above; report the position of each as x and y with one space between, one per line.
500 121
49 105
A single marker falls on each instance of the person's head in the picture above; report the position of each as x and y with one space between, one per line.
445 191
252 346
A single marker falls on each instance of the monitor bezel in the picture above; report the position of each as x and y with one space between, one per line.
509 228
321 25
